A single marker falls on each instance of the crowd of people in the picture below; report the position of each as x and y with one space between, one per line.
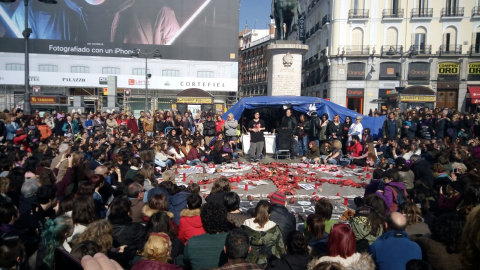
86 187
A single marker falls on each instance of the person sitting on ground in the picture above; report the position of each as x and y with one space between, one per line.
190 220
335 155
415 225
156 253
313 154
442 250
235 218
391 191
237 247
394 249
341 249
297 256
206 251
220 187
135 193
264 234
319 240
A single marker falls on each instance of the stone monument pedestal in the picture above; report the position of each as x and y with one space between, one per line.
284 58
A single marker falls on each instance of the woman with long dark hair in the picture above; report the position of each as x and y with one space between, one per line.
161 222
265 236
219 156
346 126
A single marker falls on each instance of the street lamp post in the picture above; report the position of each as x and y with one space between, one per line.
156 54
27 106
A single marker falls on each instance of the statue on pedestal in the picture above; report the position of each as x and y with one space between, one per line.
285 12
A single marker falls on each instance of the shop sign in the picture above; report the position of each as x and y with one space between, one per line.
474 72
43 100
448 70
414 98
193 100
419 71
355 92
356 71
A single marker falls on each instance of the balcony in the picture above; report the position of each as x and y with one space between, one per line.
325 20
392 50
475 49
452 12
317 26
476 12
358 14
357 50
393 13
422 12
451 49
421 49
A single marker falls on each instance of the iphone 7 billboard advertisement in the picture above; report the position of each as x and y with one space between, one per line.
205 30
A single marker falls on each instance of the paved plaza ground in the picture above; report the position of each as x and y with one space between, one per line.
261 183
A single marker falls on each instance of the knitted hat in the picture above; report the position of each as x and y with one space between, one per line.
278 197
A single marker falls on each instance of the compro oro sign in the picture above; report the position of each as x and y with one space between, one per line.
448 68
474 71
414 98
43 100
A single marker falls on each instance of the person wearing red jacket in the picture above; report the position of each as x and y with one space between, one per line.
21 138
190 221
355 149
132 124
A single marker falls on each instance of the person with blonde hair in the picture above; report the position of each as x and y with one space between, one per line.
470 245
99 232
156 253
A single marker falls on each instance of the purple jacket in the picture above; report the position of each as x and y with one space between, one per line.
153 265
387 194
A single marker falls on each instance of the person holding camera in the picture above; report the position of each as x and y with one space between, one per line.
409 127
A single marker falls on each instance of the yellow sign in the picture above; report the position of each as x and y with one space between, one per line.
474 68
413 98
105 91
448 68
193 100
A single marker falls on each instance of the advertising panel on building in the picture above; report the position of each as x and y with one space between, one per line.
389 71
474 71
182 29
448 71
419 71
356 71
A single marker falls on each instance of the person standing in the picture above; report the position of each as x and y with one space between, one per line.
302 135
209 129
314 129
334 128
356 128
290 123
231 130
392 127
257 140
148 125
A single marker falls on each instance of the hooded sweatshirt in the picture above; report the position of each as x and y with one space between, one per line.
387 194
190 224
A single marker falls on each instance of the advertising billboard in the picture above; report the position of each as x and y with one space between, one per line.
204 30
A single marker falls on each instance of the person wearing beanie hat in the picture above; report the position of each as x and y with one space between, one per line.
278 197
280 214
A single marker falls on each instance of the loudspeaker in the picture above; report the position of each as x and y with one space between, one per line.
284 139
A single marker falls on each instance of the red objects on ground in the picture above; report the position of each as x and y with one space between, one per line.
184 177
338 194
246 187
345 201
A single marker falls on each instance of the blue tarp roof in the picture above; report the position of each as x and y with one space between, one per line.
302 104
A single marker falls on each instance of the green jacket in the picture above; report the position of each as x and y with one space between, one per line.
386 124
265 244
205 251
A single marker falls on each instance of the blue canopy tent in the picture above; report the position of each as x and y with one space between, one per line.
303 104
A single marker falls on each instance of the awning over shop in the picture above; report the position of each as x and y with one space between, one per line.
415 93
474 94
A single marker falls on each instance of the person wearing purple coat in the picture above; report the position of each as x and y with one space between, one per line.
392 181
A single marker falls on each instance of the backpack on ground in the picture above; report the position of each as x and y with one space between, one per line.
398 199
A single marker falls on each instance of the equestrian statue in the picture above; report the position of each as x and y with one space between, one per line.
285 12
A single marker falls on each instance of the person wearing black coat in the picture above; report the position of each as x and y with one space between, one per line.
313 128
297 256
440 127
280 215
158 126
422 170
335 128
208 129
125 232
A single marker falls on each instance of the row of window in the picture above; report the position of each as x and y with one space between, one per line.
109 70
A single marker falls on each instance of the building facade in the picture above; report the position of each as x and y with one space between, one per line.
253 67
362 50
